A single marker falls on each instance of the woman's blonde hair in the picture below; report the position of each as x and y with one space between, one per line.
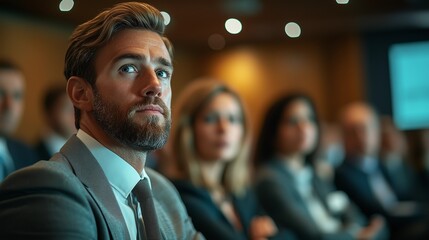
193 100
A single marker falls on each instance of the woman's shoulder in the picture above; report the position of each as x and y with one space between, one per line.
270 170
190 192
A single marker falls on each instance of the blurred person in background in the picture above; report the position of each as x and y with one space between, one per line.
362 178
14 154
418 143
288 186
395 162
210 142
330 152
59 117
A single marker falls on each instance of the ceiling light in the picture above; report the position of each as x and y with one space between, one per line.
66 5
342 1
293 30
233 26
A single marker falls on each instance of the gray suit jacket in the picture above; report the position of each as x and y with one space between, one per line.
69 197
278 195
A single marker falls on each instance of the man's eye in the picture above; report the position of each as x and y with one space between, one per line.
162 74
128 69
18 95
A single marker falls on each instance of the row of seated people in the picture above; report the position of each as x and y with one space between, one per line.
57 110
280 194
277 193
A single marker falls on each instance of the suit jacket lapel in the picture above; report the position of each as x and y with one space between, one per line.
161 215
162 223
92 176
322 191
288 183
286 176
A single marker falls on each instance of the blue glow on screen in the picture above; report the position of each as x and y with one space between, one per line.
409 73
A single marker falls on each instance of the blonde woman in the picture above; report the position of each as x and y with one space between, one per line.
210 143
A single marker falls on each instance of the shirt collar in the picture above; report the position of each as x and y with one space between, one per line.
302 175
121 175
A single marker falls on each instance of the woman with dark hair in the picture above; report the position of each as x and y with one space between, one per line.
287 185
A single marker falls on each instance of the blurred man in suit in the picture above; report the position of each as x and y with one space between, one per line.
118 68
59 117
396 165
13 153
362 178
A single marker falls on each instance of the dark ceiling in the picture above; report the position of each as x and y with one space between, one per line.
193 21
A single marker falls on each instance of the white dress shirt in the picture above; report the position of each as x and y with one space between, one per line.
379 185
302 179
121 175
6 158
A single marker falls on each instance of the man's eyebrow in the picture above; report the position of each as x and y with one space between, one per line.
160 60
129 56
165 62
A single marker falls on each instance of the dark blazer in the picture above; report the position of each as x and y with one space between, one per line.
22 155
42 150
403 179
211 222
209 219
356 183
69 197
282 201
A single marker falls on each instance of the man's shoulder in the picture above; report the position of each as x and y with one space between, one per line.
163 190
41 175
158 181
48 201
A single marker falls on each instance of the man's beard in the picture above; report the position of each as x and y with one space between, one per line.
149 134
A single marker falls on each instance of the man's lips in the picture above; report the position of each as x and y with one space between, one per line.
151 107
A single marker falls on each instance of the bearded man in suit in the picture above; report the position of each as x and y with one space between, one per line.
118 68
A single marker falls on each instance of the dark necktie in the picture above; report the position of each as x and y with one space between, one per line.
143 193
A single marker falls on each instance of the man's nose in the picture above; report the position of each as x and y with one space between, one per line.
151 84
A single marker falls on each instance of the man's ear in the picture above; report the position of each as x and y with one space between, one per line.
80 93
